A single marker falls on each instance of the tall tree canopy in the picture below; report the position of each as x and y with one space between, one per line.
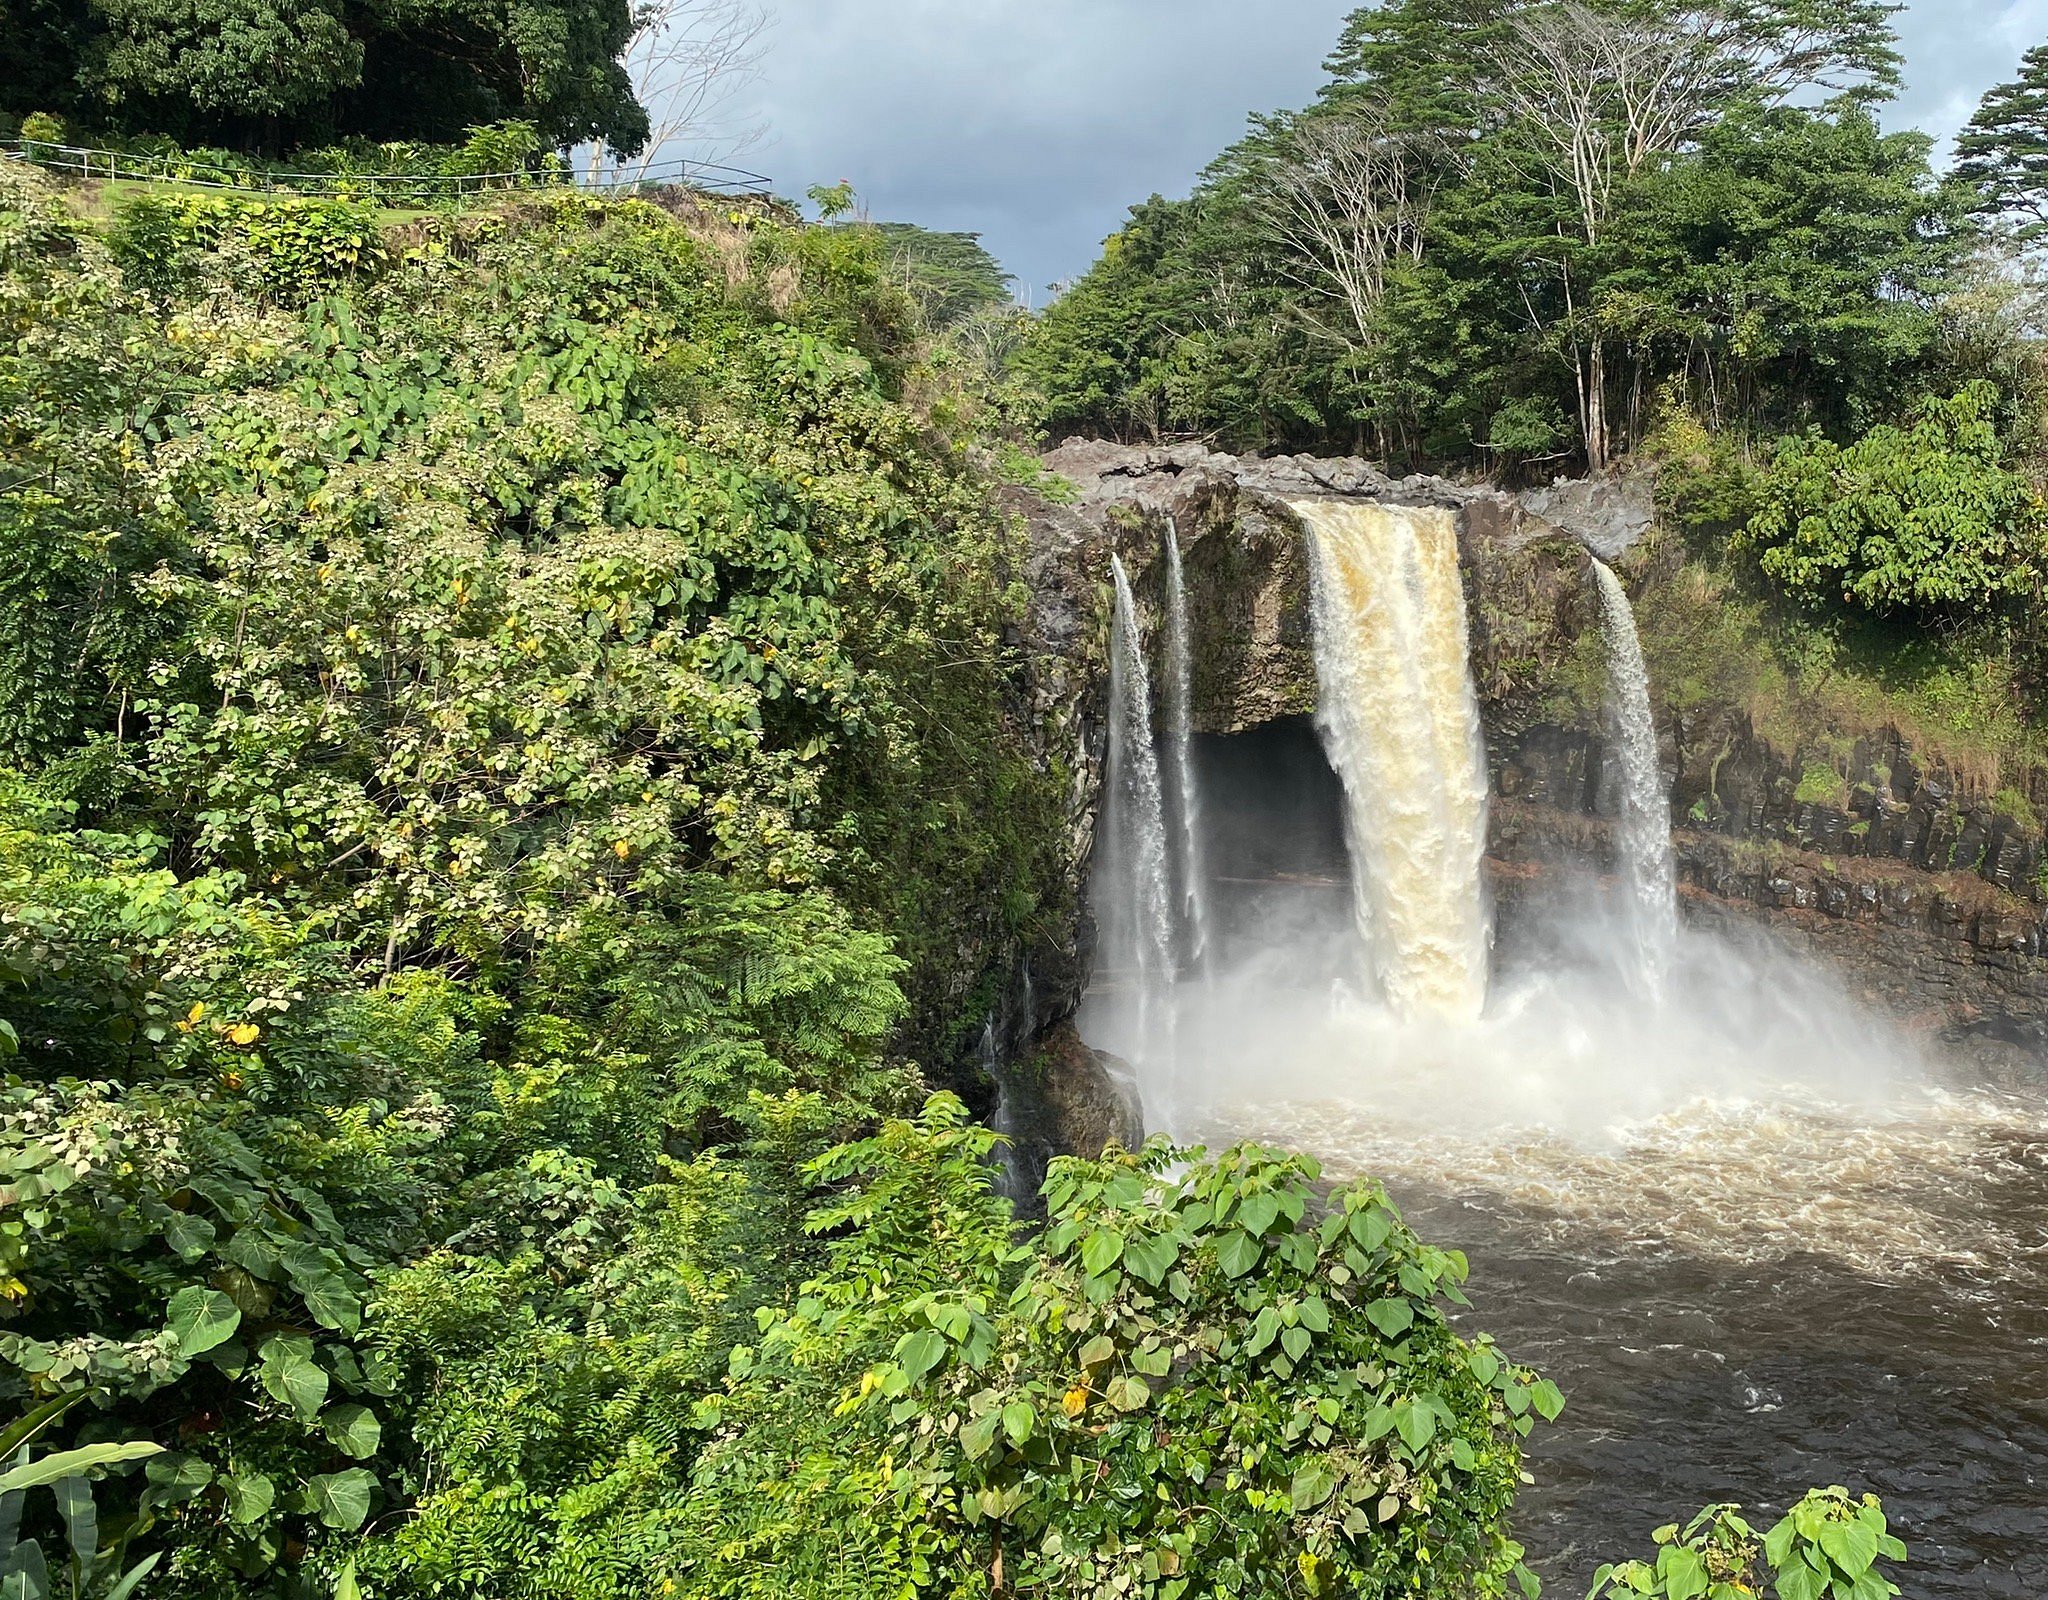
1491 237
273 74
948 275
2003 153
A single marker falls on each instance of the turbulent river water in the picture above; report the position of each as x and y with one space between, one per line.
1755 1260
1762 1240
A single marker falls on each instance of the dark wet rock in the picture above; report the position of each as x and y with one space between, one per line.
1948 955
1246 563
1063 1097
1610 514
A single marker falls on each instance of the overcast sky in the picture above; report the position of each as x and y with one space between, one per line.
1035 123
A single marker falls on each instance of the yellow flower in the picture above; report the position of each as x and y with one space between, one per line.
244 1033
621 849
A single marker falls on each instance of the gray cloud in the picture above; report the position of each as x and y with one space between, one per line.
1037 122
1955 50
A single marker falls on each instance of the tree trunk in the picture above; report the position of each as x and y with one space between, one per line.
1594 387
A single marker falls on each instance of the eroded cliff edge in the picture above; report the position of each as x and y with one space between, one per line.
1916 878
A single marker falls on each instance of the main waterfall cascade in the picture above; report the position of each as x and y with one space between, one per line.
1194 891
1644 833
1401 725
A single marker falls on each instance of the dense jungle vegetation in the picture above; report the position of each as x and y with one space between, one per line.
514 784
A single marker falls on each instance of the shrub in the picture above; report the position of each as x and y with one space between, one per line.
299 247
1827 1545
40 127
1211 1381
1821 785
1923 518
497 148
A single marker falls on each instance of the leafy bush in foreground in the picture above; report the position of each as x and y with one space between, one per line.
1210 1381
483 739
1827 1547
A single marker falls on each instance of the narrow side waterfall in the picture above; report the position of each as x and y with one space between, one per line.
1401 725
1194 888
1644 838
1141 899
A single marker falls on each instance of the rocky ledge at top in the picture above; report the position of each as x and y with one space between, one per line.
1247 577
1925 899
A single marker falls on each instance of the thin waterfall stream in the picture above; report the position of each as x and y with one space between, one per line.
1140 908
1194 890
1644 835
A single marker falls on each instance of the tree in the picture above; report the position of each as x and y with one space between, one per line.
1600 94
687 60
1503 230
1091 349
2003 153
273 75
1791 272
1342 198
950 275
174 60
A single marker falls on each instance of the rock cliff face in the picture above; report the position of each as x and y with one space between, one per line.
1912 880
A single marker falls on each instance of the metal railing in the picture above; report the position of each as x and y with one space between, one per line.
382 188
709 176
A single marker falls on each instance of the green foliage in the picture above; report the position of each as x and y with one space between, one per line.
511 151
1209 1381
95 1567
1799 260
39 127
82 396
260 76
1412 269
291 249
833 200
949 275
2017 809
223 57
496 147
1923 518
1827 1545
509 723
1821 785
1094 350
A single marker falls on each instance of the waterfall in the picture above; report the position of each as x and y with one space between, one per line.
1141 898
1194 886
1645 832
1400 722
1010 1181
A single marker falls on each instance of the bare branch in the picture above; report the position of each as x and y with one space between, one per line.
689 60
1345 199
